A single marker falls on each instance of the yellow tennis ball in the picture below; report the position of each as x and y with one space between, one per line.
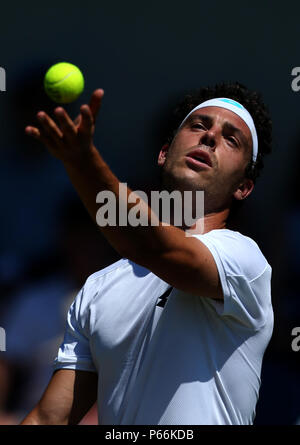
63 82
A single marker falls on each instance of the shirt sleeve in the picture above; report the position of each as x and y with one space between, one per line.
74 352
245 277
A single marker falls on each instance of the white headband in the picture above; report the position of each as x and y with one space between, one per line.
236 108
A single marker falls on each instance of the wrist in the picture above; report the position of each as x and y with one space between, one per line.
88 158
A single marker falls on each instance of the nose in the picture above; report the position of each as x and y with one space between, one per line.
208 138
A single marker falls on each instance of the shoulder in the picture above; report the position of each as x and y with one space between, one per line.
104 283
106 272
239 254
92 285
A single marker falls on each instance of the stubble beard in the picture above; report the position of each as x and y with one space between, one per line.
213 201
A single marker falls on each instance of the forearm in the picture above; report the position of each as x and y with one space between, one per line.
32 419
68 397
73 145
38 417
93 176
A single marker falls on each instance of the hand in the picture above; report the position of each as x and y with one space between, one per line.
68 140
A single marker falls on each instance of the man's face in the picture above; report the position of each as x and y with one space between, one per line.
210 152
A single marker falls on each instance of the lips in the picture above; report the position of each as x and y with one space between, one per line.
200 157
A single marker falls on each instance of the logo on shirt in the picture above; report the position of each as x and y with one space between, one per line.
163 298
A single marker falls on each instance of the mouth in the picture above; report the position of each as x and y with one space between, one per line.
199 158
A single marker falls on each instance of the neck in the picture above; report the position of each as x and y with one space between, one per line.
210 221
214 221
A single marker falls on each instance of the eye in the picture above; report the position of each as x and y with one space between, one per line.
232 141
198 125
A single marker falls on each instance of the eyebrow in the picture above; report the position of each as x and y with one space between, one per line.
202 117
237 131
227 125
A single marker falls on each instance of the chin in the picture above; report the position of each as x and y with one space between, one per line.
182 179
183 183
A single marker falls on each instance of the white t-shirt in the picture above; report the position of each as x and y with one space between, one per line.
196 361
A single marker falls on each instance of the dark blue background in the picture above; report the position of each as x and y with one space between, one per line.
146 55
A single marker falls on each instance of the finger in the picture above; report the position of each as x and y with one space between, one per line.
66 124
87 120
49 129
33 132
36 134
77 120
95 102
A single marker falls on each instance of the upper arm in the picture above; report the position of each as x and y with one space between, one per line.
187 265
67 398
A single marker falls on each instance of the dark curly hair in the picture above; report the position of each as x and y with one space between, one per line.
251 100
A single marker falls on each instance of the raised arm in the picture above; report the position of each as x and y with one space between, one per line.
68 397
183 262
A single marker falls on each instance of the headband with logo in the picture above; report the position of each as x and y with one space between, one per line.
236 108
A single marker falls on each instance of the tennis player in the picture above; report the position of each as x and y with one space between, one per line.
175 332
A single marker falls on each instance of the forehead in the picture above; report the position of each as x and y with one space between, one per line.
223 116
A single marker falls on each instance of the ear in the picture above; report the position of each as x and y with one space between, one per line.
162 155
244 189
